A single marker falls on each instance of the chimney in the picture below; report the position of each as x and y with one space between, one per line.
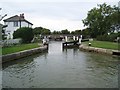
22 15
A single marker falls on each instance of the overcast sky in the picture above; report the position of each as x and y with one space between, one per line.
52 14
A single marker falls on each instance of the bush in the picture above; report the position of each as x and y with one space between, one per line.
112 37
25 33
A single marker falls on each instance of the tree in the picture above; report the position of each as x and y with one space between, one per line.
73 32
41 30
86 32
115 20
37 30
3 34
45 31
2 30
65 31
76 32
2 26
56 32
100 19
25 33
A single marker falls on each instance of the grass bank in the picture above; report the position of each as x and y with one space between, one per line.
103 44
13 49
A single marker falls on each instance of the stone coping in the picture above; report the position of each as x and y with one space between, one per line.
25 53
98 50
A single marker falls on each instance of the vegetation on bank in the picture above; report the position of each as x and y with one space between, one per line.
17 48
103 44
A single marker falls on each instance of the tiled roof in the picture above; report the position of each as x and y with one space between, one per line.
16 18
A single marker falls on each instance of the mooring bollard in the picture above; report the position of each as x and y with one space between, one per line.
89 44
79 40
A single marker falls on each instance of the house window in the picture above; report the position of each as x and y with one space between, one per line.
15 24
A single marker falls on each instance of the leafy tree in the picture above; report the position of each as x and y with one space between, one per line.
41 30
100 19
65 31
3 34
112 37
86 32
115 20
56 32
45 31
2 30
76 32
25 33
73 32
37 30
79 32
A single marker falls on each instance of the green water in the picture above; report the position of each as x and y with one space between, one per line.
57 68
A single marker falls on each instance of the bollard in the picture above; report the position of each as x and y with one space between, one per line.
79 40
89 44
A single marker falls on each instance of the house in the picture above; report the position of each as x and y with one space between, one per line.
15 22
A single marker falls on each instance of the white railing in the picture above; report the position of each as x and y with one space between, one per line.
10 42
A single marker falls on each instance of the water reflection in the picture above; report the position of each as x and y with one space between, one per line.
24 61
62 69
22 70
74 50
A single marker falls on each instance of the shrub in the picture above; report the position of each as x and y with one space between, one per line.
25 33
112 37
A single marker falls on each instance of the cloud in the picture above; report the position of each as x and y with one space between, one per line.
58 24
53 14
58 1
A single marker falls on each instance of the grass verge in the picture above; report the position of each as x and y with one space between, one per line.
103 44
13 49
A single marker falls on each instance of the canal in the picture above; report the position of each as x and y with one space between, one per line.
57 68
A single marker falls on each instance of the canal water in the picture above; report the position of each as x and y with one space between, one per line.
58 68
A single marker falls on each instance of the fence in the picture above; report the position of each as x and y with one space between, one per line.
10 42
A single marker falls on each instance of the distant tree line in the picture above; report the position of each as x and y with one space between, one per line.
27 34
41 31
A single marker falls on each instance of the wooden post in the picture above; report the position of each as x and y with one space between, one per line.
47 46
63 45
